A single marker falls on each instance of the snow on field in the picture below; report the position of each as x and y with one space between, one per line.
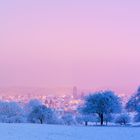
58 132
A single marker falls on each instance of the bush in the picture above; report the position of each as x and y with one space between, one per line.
86 119
122 119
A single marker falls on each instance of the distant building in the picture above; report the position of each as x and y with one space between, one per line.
82 95
75 92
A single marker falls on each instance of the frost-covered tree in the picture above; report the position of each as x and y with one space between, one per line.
41 114
122 119
10 111
133 105
101 103
31 105
68 119
86 119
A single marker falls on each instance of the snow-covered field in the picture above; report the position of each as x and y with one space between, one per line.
58 132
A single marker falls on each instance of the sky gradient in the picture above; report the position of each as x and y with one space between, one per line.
86 43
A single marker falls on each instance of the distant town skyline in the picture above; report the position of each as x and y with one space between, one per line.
62 91
90 44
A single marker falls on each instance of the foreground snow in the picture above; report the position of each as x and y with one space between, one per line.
58 132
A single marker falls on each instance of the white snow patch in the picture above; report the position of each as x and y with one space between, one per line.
59 132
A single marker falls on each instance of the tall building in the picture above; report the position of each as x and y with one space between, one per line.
75 92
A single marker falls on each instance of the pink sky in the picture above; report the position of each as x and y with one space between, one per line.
85 43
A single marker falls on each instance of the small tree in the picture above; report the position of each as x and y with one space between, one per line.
68 119
101 103
122 119
41 114
86 119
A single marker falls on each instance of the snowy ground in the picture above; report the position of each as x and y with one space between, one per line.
58 132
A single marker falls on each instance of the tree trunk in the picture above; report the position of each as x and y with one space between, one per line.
86 123
41 121
102 119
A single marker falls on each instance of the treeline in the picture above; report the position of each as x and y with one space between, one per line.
101 107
